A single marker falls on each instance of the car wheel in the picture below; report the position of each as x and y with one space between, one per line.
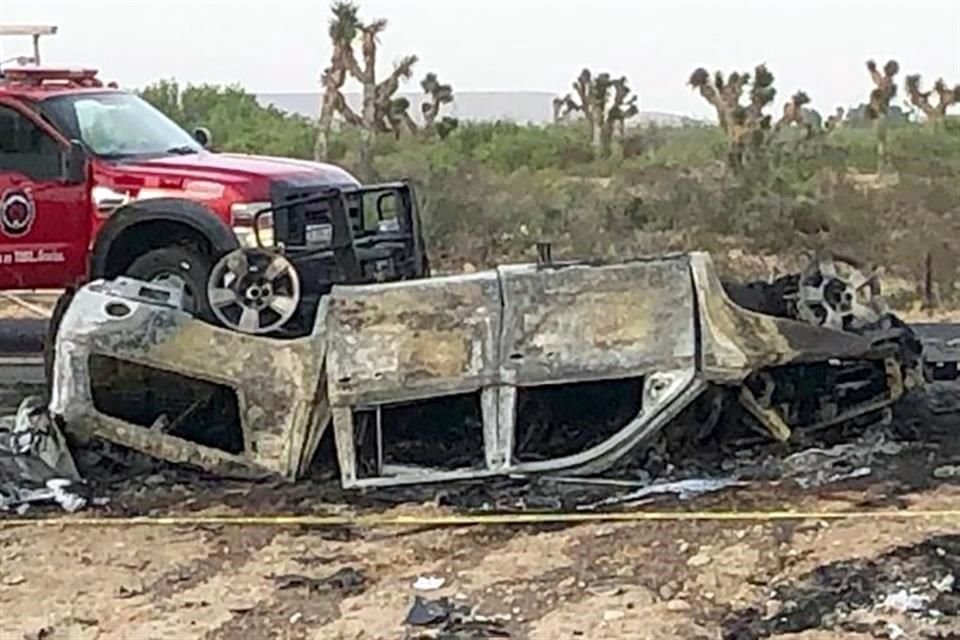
179 267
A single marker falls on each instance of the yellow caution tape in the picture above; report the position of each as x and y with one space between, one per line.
460 520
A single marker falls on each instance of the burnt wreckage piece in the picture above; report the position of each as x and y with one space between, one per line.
831 293
462 377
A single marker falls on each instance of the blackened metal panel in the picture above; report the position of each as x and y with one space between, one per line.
580 322
415 339
737 341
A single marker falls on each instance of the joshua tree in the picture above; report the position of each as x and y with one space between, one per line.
742 123
836 120
946 97
793 110
559 109
446 125
379 105
342 29
396 117
367 77
438 94
796 113
885 88
606 104
388 108
383 111
624 107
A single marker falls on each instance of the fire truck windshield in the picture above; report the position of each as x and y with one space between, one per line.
118 125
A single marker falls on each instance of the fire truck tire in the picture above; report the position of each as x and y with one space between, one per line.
178 266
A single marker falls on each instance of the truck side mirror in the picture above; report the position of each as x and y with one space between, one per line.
75 164
203 136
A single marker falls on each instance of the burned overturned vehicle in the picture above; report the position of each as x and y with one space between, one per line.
414 378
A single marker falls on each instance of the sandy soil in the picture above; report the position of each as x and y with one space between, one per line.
917 316
26 305
662 580
645 580
802 579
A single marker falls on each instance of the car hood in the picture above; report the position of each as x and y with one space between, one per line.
237 168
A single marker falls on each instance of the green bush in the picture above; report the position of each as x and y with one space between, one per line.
922 151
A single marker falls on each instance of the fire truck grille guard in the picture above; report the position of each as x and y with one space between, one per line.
347 235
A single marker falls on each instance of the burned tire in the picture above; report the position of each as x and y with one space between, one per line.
180 267
50 339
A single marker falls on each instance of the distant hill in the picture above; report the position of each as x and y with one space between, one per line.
522 107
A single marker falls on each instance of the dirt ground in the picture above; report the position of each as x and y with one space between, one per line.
627 580
880 572
27 304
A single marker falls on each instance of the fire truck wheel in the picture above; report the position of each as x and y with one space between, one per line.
179 267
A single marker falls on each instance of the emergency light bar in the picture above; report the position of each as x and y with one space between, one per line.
34 76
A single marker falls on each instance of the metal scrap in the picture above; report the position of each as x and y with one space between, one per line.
428 583
682 489
442 618
941 351
35 461
348 581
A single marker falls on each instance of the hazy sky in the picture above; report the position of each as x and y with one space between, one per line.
281 45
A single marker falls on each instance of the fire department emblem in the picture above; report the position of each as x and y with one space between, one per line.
17 212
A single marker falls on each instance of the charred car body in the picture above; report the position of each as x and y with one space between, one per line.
479 367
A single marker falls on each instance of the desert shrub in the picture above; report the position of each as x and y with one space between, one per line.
921 151
507 147
858 146
674 146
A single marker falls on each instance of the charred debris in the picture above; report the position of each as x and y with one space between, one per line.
561 370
